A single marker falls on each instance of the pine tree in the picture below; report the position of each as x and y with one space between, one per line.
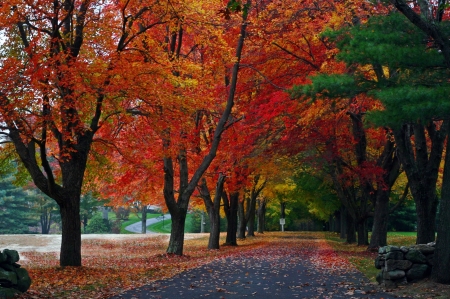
16 215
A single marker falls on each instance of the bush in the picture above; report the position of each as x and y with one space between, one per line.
98 225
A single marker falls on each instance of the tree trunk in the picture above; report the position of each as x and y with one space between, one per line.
344 216
251 222
362 232
71 232
426 209
213 209
421 165
144 220
350 230
380 220
261 216
337 222
242 223
177 232
441 262
231 207
46 221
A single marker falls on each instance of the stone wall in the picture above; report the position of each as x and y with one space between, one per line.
400 265
13 279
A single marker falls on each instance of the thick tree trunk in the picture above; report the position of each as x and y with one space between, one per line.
261 216
380 220
231 208
144 220
71 232
242 223
350 230
177 232
214 234
362 232
441 257
426 218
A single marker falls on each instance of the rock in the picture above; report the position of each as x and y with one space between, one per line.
6 293
396 274
397 265
379 262
379 277
391 248
432 244
430 259
12 256
7 267
404 249
416 256
382 250
7 278
394 255
417 271
425 249
2 257
23 280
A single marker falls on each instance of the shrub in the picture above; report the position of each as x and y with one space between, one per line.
98 225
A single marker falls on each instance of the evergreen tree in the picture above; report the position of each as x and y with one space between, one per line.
16 215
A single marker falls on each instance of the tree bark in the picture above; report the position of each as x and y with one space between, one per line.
380 220
441 262
362 232
344 215
242 223
71 232
231 207
350 230
213 209
261 215
144 220
46 221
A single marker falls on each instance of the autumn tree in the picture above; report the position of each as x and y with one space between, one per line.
66 71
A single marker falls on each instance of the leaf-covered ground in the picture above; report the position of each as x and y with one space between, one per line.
112 266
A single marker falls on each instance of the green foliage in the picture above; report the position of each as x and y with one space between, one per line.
16 215
392 60
194 224
404 218
317 195
98 225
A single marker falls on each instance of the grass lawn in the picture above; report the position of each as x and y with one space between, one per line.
132 218
159 228
362 259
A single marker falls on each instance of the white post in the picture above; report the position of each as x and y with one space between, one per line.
282 223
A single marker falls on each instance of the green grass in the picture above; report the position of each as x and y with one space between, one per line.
159 228
362 259
132 218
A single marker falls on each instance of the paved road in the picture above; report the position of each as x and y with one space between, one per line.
137 227
261 274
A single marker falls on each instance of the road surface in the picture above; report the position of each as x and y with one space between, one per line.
137 227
